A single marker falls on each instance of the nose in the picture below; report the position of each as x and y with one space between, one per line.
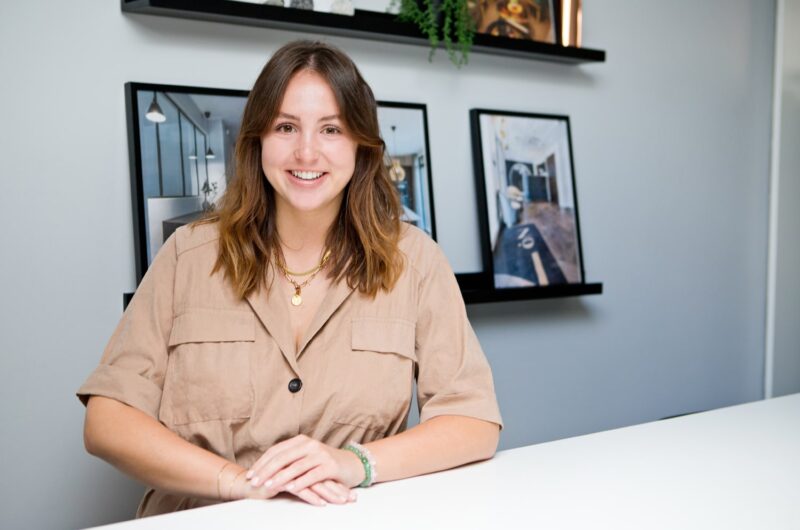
307 149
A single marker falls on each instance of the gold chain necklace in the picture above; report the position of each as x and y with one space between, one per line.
297 298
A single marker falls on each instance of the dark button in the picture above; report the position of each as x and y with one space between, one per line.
295 385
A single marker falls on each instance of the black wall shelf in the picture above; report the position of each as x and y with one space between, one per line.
531 293
364 24
482 297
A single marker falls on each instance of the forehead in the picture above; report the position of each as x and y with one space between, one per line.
309 94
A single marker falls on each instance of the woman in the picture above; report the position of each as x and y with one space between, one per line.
267 341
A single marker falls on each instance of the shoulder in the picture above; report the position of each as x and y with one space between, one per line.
190 237
421 252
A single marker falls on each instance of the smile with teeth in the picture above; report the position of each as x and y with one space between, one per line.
307 175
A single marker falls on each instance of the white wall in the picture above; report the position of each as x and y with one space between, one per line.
785 316
671 145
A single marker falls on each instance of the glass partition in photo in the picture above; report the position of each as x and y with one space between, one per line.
186 139
404 129
530 200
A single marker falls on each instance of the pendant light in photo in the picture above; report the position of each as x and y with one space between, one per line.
209 153
154 112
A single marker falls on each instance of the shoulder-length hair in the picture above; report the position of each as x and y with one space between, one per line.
364 238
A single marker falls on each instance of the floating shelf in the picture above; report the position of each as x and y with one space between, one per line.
370 25
502 295
530 293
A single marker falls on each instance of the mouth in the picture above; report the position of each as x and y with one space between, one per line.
307 176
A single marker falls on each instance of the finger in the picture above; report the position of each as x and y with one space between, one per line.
265 473
310 497
286 478
275 449
269 453
341 489
328 493
311 476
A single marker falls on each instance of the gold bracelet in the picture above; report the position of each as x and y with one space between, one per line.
233 482
219 476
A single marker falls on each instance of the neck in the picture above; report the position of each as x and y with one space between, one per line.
303 235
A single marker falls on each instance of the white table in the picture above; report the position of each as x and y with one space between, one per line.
737 467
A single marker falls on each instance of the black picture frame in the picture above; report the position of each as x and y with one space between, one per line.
142 237
557 271
413 116
417 140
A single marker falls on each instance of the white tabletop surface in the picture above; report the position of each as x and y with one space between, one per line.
737 467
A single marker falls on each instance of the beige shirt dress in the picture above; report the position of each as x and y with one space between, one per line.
223 372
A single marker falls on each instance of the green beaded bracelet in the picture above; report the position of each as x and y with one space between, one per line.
366 459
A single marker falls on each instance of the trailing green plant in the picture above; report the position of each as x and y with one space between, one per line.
447 21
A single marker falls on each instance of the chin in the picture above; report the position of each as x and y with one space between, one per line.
309 206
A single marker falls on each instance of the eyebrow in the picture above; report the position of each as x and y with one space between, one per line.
295 118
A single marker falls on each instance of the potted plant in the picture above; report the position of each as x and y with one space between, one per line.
447 21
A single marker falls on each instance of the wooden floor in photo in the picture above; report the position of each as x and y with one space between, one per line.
557 227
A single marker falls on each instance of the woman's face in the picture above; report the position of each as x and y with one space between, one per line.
307 154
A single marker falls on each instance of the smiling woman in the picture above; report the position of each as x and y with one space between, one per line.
273 346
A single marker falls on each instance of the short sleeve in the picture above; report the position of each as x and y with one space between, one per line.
454 377
134 361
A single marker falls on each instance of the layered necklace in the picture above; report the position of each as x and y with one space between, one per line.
297 298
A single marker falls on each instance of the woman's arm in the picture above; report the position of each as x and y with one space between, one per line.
143 448
146 450
442 442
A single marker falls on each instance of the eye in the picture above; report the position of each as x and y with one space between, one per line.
285 128
330 129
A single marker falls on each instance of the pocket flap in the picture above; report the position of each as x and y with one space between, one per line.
213 325
389 335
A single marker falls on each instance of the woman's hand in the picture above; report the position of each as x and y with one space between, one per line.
319 494
301 463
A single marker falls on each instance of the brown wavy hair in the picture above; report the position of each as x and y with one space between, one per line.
364 239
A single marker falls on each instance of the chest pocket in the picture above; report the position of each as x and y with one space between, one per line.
209 368
381 375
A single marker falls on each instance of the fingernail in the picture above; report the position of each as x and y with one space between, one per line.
249 475
353 496
268 483
290 486
254 481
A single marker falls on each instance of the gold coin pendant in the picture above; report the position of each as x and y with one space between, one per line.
296 300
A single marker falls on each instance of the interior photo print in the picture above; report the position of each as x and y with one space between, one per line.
531 209
185 138
515 19
404 129
182 143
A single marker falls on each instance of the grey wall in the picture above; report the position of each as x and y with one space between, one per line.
671 143
786 333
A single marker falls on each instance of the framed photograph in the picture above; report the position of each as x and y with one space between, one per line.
404 129
180 143
528 209
515 19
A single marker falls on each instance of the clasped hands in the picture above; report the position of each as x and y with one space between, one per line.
311 470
